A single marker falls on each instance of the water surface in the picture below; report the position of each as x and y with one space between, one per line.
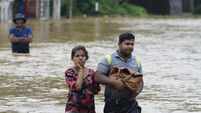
169 50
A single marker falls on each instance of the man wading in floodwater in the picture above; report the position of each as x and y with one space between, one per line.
20 35
118 102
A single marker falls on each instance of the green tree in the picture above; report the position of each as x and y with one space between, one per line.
106 7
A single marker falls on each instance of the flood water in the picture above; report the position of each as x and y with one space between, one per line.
168 48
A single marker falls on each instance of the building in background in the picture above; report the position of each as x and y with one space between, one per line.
175 7
178 7
167 7
38 9
6 7
41 9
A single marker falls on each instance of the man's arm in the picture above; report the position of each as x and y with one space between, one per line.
101 78
28 39
16 40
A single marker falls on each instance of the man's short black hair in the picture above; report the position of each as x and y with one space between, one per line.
126 36
79 47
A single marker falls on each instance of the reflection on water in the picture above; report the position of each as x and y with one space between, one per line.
169 50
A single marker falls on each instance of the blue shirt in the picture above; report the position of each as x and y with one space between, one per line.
117 61
20 47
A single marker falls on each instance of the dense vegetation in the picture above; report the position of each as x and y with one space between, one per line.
162 6
122 7
197 8
106 7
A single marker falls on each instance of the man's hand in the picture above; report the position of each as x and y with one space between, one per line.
16 40
25 40
101 78
117 84
28 39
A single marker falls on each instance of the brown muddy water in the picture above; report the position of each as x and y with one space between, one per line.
169 50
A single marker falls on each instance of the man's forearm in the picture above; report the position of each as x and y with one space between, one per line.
102 79
16 40
26 40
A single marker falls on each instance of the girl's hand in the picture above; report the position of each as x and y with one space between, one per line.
77 65
79 82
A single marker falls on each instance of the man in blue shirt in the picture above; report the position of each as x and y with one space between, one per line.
118 102
20 35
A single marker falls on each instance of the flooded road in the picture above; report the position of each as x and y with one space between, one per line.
169 50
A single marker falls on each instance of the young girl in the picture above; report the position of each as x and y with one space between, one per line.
82 86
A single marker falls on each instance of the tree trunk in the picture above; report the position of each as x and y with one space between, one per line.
69 9
57 9
191 6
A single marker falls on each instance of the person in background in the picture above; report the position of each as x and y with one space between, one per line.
20 35
82 86
119 102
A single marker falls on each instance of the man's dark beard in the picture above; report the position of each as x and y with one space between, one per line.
124 53
19 25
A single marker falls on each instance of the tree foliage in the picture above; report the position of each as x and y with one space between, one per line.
106 7
197 6
124 7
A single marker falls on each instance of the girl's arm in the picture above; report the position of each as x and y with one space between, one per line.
81 74
79 82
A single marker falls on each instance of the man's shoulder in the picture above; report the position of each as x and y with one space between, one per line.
133 57
27 28
12 28
114 54
105 58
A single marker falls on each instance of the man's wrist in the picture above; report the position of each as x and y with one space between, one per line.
111 82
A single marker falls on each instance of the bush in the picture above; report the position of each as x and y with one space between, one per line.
134 10
106 7
197 9
111 7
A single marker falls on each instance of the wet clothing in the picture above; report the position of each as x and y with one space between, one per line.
81 101
20 47
126 106
111 97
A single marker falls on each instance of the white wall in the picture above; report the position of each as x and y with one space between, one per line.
56 9
5 11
